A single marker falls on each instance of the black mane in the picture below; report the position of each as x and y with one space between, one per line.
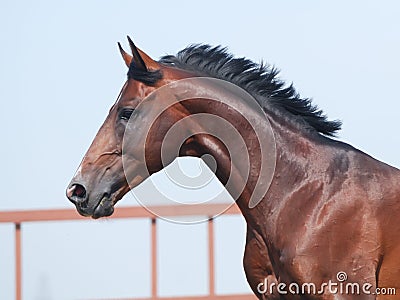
256 79
146 76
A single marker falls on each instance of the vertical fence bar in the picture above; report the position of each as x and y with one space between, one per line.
211 256
18 265
154 258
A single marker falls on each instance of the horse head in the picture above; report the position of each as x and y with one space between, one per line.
100 180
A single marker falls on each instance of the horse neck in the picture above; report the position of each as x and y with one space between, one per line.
302 159
294 151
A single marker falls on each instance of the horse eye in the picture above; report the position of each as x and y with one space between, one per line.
125 114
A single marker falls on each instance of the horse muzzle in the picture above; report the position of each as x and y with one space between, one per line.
96 203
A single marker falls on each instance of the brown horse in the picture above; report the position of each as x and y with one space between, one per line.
327 219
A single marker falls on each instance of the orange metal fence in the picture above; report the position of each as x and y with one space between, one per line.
19 217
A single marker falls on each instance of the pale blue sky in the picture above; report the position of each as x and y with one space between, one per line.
61 71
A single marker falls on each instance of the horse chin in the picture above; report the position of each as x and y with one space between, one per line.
105 208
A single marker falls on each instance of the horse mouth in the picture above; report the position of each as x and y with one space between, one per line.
103 208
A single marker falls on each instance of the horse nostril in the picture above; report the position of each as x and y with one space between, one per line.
76 193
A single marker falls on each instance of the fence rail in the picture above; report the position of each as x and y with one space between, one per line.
19 217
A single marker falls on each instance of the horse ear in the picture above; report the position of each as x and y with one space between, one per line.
141 59
127 58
